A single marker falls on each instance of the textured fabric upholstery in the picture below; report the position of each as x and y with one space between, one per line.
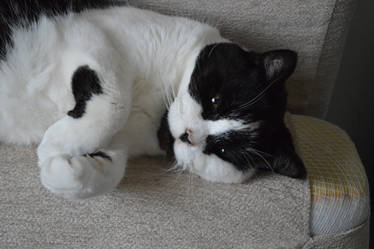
152 209
315 29
339 185
357 238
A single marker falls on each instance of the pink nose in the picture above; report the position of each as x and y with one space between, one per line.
186 137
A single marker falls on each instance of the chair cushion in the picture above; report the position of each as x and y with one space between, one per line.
151 208
339 186
155 209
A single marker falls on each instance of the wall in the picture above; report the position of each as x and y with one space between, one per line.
352 104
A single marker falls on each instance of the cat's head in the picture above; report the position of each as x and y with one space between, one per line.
229 121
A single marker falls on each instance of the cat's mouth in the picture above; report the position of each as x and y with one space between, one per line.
167 141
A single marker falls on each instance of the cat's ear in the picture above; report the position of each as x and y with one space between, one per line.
284 159
279 64
286 162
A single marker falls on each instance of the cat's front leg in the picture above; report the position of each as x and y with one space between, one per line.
77 156
84 135
87 175
80 160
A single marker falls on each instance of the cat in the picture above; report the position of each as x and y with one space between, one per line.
94 86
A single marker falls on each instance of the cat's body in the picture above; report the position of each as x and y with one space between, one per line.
150 55
92 87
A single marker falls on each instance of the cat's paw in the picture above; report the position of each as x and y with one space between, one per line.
82 176
72 137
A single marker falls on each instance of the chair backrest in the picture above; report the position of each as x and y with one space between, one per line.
315 29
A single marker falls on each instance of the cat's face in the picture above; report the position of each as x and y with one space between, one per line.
230 120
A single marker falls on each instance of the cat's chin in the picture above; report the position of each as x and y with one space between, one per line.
208 167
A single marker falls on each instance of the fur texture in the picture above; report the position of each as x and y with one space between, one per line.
230 120
91 88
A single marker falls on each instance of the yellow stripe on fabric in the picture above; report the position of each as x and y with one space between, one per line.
334 167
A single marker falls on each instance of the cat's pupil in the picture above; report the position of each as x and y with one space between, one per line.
222 150
215 101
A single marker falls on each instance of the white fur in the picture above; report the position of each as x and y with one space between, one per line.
143 60
185 113
211 167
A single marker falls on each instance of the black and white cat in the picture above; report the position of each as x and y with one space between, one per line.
91 89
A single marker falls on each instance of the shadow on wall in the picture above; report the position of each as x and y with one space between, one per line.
352 104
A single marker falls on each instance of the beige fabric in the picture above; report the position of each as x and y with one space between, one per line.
315 29
151 209
339 185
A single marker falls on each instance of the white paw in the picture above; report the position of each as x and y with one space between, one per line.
72 137
81 176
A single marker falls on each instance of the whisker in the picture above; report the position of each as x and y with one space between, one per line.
175 167
263 158
173 93
250 161
263 152
258 97
211 50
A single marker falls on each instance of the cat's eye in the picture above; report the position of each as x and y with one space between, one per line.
222 150
215 101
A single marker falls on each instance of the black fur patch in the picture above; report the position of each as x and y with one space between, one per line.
100 154
268 152
165 139
85 83
235 76
231 83
14 13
